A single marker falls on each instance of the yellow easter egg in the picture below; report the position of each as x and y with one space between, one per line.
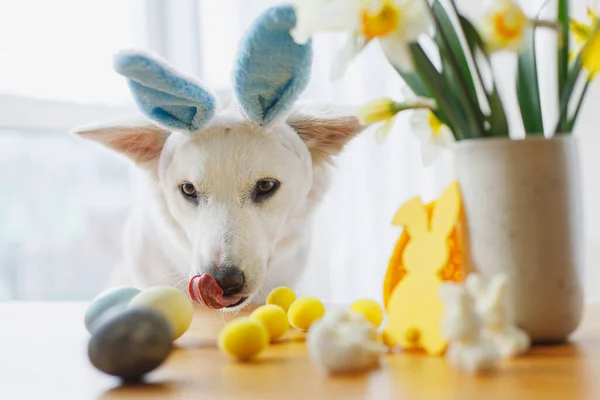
305 311
282 297
387 339
370 309
171 303
243 338
273 318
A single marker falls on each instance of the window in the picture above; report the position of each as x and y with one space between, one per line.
62 202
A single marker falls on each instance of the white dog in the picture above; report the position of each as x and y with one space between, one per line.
233 200
224 198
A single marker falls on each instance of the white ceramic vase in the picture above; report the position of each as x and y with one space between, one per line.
522 203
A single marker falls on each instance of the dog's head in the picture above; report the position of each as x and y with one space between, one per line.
230 179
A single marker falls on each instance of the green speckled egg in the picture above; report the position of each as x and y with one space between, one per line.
131 343
115 298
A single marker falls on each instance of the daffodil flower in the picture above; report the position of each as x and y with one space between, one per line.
394 23
582 31
588 38
384 110
503 26
591 53
433 134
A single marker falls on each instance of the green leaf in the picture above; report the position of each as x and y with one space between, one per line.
528 91
473 39
565 98
437 86
497 118
573 118
414 81
563 44
457 78
498 124
455 47
451 81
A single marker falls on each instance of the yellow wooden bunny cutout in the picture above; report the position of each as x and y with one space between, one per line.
415 309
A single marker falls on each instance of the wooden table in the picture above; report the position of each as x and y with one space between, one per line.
43 356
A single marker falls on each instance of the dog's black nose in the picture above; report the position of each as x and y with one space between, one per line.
231 280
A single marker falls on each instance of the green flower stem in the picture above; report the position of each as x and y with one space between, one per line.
565 99
540 23
528 90
563 45
417 103
572 120
473 112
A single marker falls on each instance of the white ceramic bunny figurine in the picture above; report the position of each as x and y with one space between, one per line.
491 307
469 349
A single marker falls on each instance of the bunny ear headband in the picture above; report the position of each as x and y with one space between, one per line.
270 73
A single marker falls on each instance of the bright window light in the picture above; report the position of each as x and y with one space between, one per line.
62 49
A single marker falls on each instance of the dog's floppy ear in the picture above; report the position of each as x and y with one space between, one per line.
271 70
141 143
163 95
325 133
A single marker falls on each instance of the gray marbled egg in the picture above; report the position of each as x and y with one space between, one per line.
115 298
131 343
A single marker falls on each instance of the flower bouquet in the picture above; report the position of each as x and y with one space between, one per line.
521 198
444 58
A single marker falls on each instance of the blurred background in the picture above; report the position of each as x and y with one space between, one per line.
63 201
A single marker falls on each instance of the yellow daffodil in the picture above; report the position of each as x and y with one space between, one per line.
503 26
385 109
591 53
394 23
588 38
433 134
582 31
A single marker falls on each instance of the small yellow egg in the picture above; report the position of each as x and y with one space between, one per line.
305 311
273 318
243 338
387 339
282 296
171 303
370 309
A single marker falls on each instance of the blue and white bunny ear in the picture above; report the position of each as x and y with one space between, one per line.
163 95
271 69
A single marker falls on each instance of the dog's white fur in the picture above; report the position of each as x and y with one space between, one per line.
168 239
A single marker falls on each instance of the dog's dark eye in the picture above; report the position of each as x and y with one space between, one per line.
264 189
266 185
188 190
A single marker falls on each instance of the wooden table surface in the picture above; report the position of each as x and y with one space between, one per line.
43 355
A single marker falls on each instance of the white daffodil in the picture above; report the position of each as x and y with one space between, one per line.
433 134
394 23
503 26
313 16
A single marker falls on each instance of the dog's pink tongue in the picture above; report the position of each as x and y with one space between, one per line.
204 289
